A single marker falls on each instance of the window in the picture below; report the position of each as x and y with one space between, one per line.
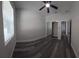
8 21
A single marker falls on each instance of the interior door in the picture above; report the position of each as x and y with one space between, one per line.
52 28
63 28
69 31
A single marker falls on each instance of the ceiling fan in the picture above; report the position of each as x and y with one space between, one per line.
48 5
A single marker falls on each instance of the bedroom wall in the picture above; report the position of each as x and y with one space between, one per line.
75 28
30 25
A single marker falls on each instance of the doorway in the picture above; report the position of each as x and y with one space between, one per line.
55 29
63 28
66 30
69 26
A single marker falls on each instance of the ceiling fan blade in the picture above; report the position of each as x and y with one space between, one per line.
47 10
50 1
55 7
44 1
42 8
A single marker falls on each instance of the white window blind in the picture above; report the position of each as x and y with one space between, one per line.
8 21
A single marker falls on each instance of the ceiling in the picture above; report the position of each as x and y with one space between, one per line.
63 6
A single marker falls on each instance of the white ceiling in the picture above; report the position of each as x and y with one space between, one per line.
63 6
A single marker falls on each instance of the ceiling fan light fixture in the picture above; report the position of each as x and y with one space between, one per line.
47 5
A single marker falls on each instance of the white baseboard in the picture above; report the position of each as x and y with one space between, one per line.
31 39
74 51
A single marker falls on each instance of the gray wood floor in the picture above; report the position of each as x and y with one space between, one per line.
48 47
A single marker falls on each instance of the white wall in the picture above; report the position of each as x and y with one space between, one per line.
30 25
5 51
75 28
1 33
